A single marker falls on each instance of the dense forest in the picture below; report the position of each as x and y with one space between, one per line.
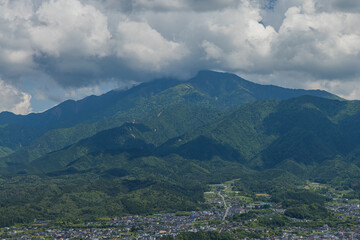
156 147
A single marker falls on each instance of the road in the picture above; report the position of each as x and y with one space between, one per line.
227 207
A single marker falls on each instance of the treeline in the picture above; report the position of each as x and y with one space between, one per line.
202 235
77 198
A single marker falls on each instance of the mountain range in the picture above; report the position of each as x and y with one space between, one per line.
156 146
210 90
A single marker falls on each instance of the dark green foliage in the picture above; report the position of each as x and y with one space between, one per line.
173 121
104 184
203 148
117 172
67 171
307 211
235 90
155 147
268 181
293 198
202 235
206 90
238 136
298 169
86 196
303 204
249 234
141 171
243 217
337 172
272 221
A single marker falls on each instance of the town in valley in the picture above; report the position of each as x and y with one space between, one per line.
225 209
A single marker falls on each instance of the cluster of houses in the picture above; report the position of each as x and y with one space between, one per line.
216 218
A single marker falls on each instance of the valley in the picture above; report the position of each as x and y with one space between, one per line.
179 119
226 212
215 146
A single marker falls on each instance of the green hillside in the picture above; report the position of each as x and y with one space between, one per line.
263 134
156 147
95 113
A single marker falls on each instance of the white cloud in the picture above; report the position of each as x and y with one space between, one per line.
212 51
319 43
13 9
69 27
11 99
82 43
145 48
16 54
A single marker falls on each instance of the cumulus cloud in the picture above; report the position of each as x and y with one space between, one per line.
68 27
81 44
14 100
15 47
324 44
145 48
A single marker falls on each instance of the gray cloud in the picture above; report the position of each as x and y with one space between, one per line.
81 44
340 5
166 5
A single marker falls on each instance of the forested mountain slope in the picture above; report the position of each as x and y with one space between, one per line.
155 147
206 90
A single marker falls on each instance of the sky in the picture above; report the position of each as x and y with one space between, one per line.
55 50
